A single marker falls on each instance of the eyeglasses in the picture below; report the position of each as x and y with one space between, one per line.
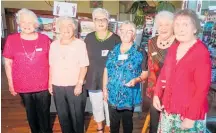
103 20
127 32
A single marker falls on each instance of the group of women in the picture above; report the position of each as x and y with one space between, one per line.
111 67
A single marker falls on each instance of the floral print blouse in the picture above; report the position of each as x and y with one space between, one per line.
120 72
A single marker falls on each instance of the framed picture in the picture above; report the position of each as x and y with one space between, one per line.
96 4
64 9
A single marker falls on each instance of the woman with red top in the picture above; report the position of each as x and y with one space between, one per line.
184 80
157 50
27 70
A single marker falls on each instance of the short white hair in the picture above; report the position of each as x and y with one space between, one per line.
129 23
65 18
26 12
100 10
164 15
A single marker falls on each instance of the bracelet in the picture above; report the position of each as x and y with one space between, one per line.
140 79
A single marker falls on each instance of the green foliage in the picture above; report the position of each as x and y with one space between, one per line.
137 8
165 5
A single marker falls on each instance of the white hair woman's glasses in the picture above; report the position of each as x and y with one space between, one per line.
127 32
103 20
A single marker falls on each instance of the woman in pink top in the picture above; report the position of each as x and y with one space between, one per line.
27 69
68 61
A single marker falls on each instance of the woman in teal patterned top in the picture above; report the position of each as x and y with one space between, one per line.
121 78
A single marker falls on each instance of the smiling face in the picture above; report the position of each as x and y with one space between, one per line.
66 28
27 23
165 28
126 33
184 28
100 21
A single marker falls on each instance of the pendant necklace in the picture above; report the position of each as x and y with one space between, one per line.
32 55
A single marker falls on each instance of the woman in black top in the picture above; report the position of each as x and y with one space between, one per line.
98 44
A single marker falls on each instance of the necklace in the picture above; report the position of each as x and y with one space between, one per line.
32 55
165 44
101 40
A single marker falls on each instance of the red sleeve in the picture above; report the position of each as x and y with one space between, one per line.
202 79
161 82
8 52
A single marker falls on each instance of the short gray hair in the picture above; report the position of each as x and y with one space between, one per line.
129 23
27 12
164 14
63 18
100 10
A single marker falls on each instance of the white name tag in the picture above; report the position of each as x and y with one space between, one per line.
39 49
123 57
104 52
154 53
163 81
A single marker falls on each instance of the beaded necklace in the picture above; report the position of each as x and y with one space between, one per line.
101 40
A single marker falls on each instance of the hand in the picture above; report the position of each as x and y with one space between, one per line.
131 83
105 95
157 104
78 90
11 89
50 90
187 124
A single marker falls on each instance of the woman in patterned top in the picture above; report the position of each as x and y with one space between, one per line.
121 78
157 49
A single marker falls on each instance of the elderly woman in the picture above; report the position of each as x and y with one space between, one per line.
27 69
121 77
157 49
184 80
98 44
68 61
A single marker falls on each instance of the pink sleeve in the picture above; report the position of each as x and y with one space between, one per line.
83 60
202 80
8 52
51 53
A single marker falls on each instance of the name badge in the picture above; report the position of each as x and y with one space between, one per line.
123 57
154 53
39 49
104 52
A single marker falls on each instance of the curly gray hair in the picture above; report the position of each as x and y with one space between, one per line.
163 14
27 12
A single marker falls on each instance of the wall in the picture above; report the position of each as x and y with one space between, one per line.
83 6
206 4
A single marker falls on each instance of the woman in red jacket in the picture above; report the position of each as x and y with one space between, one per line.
182 87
